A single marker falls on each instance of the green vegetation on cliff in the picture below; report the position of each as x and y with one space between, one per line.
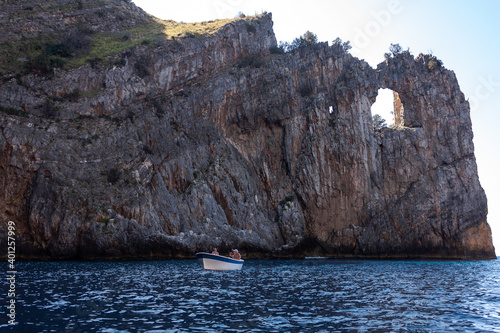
86 40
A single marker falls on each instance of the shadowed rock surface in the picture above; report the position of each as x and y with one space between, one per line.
211 141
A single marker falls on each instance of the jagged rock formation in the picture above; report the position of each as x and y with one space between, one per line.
212 141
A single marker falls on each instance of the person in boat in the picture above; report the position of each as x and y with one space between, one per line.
237 255
215 251
231 254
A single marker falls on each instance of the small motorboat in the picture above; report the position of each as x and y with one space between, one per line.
217 262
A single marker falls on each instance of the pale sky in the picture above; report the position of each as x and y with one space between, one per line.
465 35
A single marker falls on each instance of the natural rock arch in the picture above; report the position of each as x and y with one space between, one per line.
389 106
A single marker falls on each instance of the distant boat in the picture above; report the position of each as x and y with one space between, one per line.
316 258
217 262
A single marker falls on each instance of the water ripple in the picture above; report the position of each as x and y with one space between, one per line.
266 296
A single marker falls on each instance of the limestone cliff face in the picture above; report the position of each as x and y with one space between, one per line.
214 142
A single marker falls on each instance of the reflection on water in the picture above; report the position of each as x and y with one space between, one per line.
266 296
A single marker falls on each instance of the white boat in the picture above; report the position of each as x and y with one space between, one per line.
217 262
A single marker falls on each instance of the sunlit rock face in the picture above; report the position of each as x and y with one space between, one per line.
197 143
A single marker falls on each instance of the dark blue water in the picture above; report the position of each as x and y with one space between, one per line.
266 296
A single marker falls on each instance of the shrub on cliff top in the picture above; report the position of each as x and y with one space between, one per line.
281 48
434 63
308 38
341 46
277 49
395 49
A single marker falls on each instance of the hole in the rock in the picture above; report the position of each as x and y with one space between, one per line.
384 106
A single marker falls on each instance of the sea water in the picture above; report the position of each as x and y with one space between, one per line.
265 296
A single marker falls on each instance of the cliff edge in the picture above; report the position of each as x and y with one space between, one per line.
184 140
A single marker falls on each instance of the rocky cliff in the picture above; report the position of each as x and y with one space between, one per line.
168 147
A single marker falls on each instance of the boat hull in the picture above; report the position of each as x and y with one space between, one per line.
217 262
